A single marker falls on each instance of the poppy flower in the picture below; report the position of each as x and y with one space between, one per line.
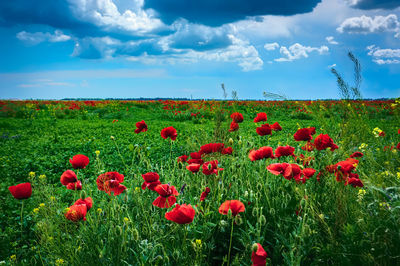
227 150
211 167
110 182
259 256
211 148
357 154
284 151
237 117
304 134
182 159
181 214
75 186
264 130
306 174
169 132
21 191
151 180
88 202
261 153
398 146
166 196
260 117
204 194
79 161
193 167
276 127
292 171
67 177
141 127
354 181
234 205
277 168
76 213
234 126
323 141
196 158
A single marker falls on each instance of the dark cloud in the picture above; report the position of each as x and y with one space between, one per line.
377 4
218 12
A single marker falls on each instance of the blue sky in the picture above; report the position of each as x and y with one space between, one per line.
186 48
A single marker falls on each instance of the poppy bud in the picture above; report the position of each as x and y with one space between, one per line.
262 220
254 247
83 194
135 234
229 214
230 141
255 212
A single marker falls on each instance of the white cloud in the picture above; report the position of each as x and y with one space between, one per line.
38 37
365 24
271 46
331 40
384 56
297 51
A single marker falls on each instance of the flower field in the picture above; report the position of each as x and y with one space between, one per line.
165 182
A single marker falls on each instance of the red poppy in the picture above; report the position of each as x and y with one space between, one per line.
304 134
261 153
323 141
76 212
354 180
211 148
79 161
167 196
292 171
211 167
277 168
67 177
284 151
196 158
398 146
343 169
88 202
259 256
306 174
110 182
382 134
276 127
75 186
193 167
114 186
181 214
182 159
204 194
234 126
260 117
169 132
264 130
151 180
141 127
227 150
234 205
21 191
237 117
357 154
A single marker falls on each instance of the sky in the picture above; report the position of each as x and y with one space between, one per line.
188 48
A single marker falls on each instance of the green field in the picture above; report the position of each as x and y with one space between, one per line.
320 221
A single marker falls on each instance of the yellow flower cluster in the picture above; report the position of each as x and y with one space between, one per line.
376 131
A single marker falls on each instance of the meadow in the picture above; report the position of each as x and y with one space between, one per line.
200 182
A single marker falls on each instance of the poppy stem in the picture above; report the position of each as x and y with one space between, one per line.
230 242
22 218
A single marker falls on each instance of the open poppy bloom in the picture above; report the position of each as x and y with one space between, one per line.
260 117
182 159
151 180
167 196
304 134
181 214
211 148
259 256
276 127
234 126
195 158
141 127
193 167
68 177
169 132
110 182
323 141
277 168
237 117
21 191
227 150
211 167
204 194
284 151
234 205
79 161
354 180
264 130
88 202
357 154
261 153
76 212
75 186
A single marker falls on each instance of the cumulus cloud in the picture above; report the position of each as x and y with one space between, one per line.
365 24
384 56
218 12
38 37
375 4
298 51
331 40
271 46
